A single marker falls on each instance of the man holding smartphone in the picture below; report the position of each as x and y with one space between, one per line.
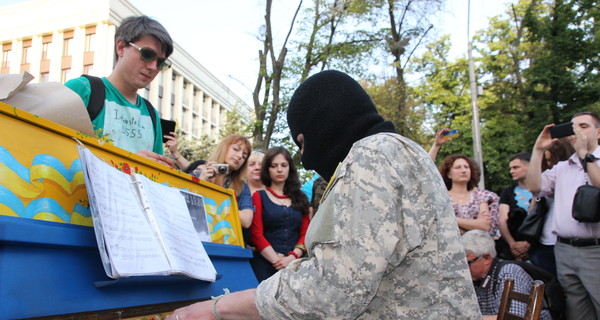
577 249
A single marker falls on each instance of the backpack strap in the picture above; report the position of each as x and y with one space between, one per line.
98 94
152 113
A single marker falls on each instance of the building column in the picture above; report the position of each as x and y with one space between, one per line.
17 52
167 84
77 50
178 103
198 108
36 57
188 102
206 115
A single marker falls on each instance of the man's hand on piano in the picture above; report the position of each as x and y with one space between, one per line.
156 157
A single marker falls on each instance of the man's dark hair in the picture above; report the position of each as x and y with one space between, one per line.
523 156
591 114
133 28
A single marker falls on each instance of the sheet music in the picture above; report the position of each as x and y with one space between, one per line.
131 246
186 252
195 205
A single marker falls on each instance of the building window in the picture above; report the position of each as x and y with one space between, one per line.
67 43
90 39
88 55
90 42
66 75
89 69
6 53
66 47
26 57
45 77
46 47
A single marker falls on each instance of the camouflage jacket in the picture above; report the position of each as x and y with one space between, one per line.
385 245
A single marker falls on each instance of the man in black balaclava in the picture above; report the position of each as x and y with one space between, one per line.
384 244
332 111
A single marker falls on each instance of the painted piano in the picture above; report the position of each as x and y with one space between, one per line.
50 266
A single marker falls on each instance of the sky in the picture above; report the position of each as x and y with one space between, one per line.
222 35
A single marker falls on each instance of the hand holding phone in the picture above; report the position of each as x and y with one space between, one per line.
562 130
451 134
167 126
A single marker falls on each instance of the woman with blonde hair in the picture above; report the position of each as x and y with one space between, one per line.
253 172
232 151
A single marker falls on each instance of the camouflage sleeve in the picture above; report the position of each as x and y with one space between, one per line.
344 270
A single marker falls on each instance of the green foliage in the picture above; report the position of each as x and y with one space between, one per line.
538 64
194 149
236 124
386 98
565 77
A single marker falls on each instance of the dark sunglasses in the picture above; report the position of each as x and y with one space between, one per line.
469 262
149 55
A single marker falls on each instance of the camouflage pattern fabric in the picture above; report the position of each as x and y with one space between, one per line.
317 192
384 245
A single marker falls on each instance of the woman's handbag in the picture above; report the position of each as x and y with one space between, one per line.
533 225
586 204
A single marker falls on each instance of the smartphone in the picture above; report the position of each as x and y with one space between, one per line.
451 134
167 126
562 130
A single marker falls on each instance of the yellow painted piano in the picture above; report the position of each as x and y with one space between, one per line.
50 266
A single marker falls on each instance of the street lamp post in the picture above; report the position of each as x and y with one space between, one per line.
477 151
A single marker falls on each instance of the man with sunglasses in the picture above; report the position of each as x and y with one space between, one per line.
489 273
142 48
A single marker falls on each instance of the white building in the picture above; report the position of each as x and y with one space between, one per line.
57 40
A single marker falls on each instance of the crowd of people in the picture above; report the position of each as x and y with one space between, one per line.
549 176
384 234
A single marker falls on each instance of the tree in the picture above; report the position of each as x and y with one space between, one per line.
267 91
194 149
236 124
537 64
335 38
344 35
327 37
385 95
564 78
407 28
444 93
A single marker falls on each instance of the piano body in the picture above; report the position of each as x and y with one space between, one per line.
50 266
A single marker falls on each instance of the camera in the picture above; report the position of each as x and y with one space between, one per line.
221 168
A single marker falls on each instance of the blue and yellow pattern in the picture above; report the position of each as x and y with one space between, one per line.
26 191
218 216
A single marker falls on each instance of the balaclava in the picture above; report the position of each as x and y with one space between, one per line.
332 111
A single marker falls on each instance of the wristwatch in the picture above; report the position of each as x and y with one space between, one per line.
588 158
